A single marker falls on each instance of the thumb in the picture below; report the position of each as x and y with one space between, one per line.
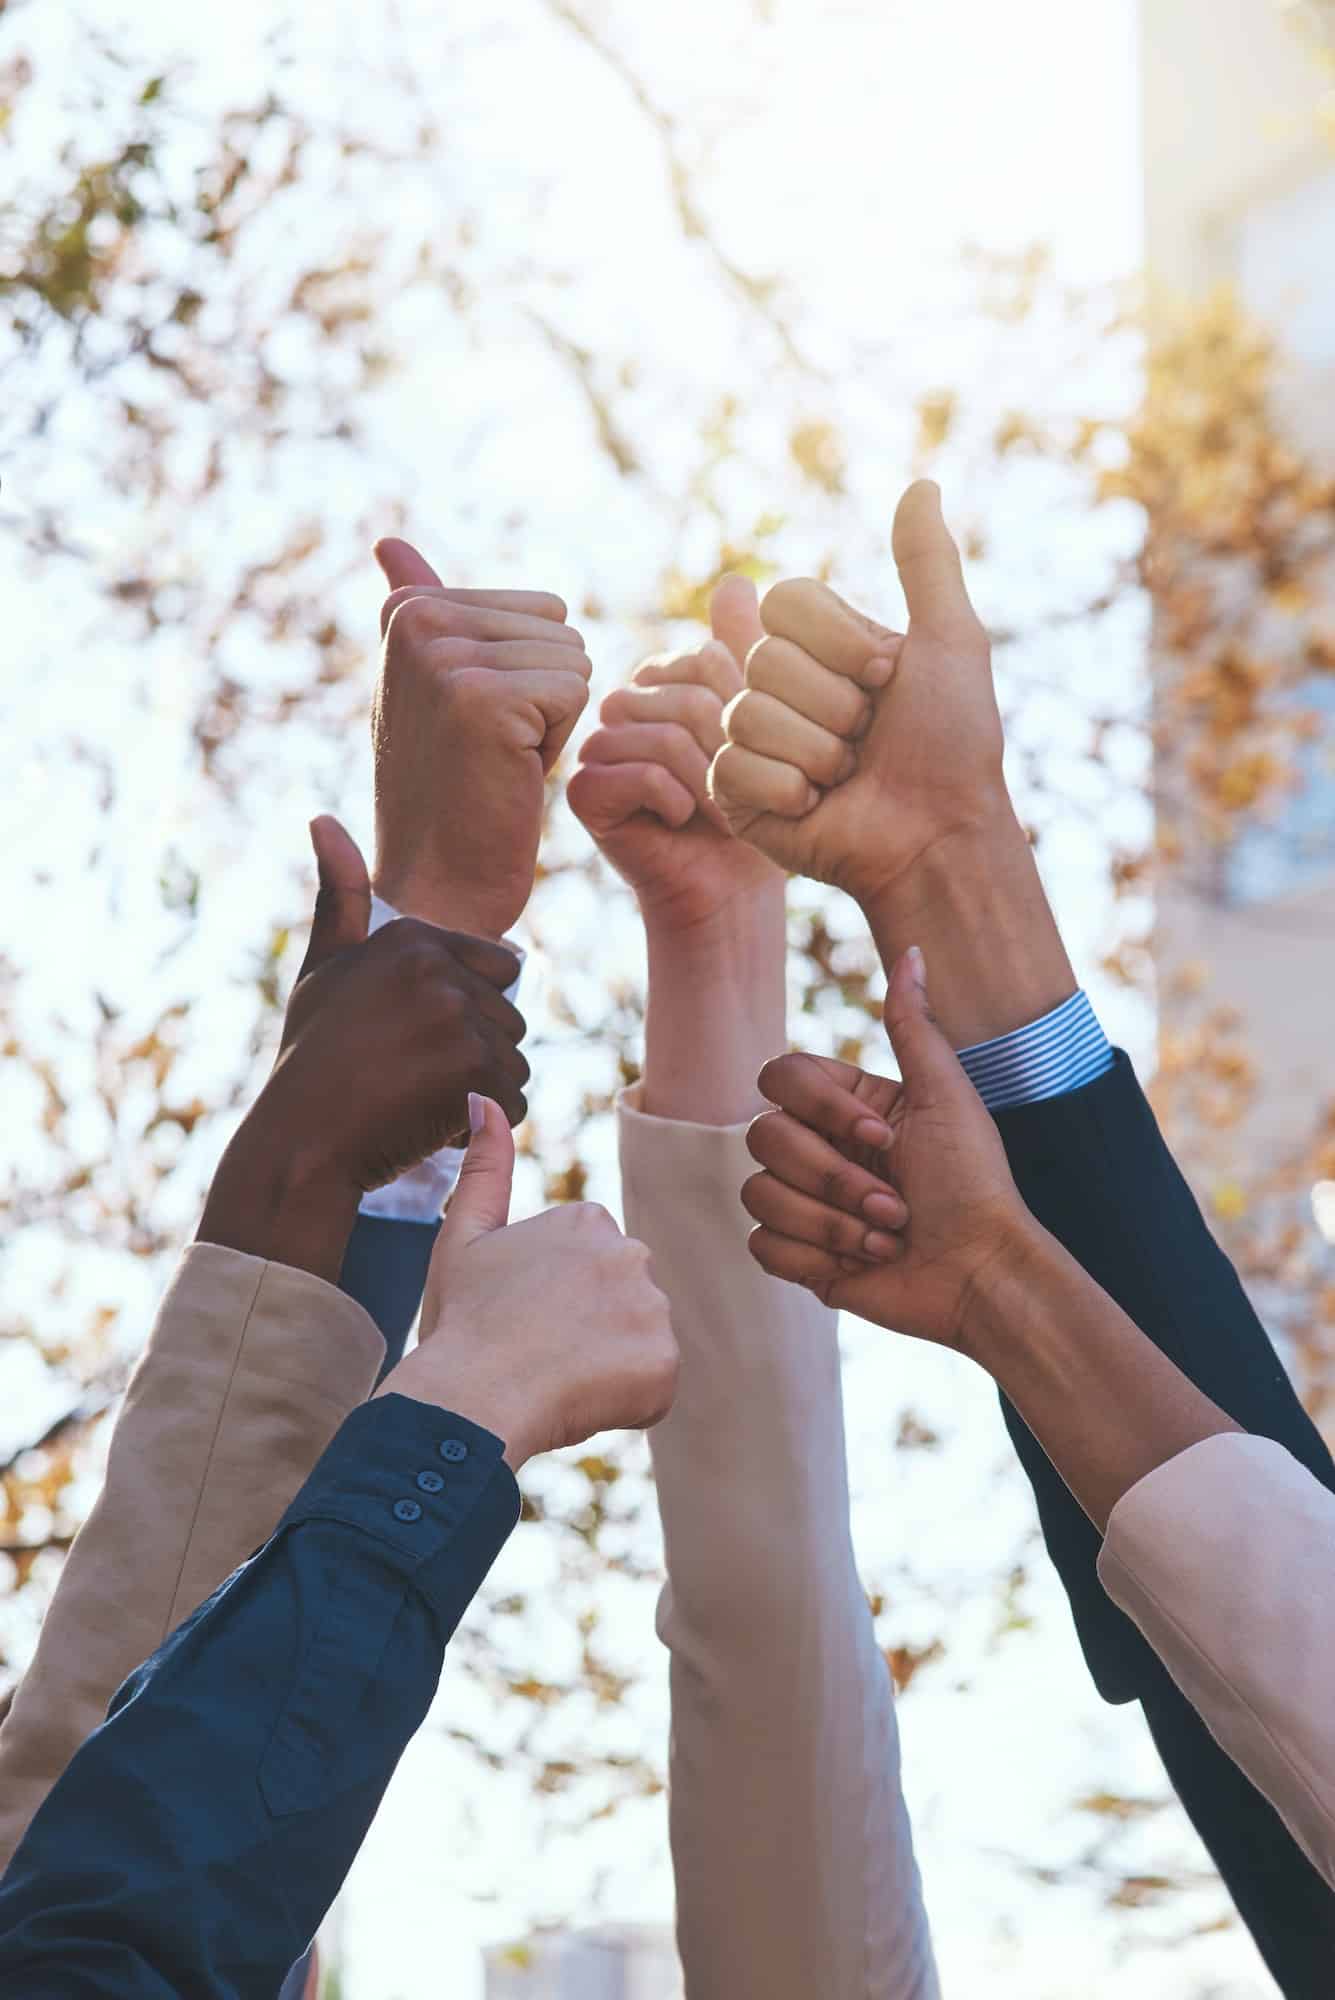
929 563
343 899
402 564
481 1200
734 616
929 1066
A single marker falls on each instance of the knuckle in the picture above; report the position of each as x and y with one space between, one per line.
615 707
781 602
415 620
793 789
836 1188
763 663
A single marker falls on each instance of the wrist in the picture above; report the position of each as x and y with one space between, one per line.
715 1011
288 1205
449 904
1001 1302
429 1375
974 903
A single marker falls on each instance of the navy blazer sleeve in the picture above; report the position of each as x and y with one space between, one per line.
1093 1167
194 1843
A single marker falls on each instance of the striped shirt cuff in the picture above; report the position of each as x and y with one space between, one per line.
1064 1051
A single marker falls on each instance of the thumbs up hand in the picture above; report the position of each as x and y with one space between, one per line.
383 1040
544 1331
891 1200
854 749
477 694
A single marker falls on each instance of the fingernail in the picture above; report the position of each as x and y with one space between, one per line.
872 1132
918 967
477 1112
878 1245
883 1208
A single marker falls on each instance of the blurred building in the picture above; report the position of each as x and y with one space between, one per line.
1240 188
612 1962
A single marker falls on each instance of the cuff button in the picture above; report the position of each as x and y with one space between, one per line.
430 1482
407 1510
454 1450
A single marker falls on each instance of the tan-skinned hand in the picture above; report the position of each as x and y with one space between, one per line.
477 694
853 750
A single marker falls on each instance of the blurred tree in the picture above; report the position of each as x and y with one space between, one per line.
208 315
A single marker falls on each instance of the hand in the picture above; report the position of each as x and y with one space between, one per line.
545 1331
477 694
641 784
382 1042
890 1200
854 751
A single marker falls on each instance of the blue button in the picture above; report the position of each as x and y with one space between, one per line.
407 1510
454 1449
430 1482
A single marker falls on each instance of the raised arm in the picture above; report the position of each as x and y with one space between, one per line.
1220 1545
198 1837
791 1846
255 1358
923 834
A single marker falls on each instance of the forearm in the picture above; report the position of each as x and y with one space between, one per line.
270 1200
1107 1406
975 905
715 1012
785 1754
197 1839
248 1372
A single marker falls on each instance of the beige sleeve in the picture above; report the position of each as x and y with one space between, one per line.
790 1838
249 1370
1225 1558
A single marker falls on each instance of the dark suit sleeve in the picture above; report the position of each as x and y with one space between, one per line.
195 1841
385 1270
1093 1167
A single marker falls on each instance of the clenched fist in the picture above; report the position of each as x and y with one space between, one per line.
477 694
853 750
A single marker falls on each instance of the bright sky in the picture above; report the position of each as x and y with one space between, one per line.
857 145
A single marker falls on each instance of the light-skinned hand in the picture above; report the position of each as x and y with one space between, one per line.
853 749
545 1331
640 788
477 694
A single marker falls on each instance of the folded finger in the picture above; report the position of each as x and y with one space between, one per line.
711 666
758 722
814 1166
744 784
817 619
603 796
666 743
779 668
488 614
789 1212
688 705
846 1104
818 1271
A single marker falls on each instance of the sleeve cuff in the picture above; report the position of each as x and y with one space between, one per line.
1063 1051
421 1193
412 1476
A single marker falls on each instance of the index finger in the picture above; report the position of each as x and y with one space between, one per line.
816 618
847 1104
529 603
